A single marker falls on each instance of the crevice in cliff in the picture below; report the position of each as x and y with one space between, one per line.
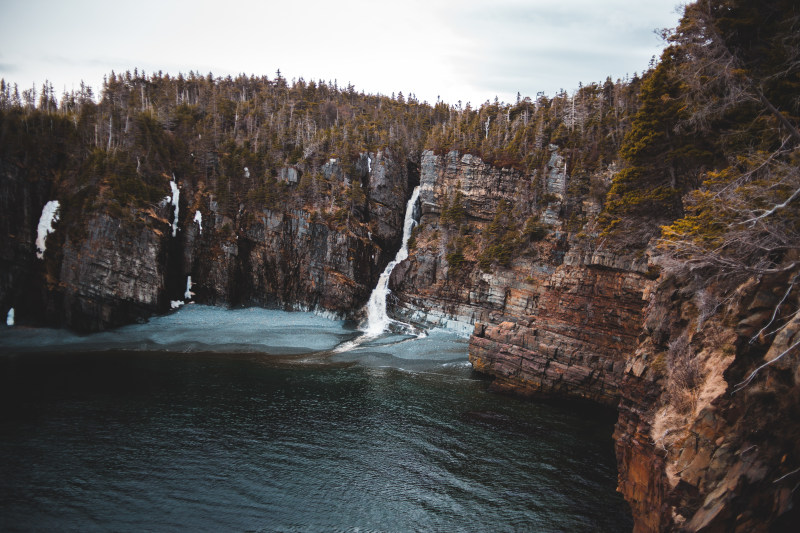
175 269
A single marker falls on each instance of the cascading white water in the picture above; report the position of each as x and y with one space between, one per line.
377 319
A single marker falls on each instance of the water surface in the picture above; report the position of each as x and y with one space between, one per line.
247 420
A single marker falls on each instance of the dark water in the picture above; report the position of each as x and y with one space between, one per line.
162 441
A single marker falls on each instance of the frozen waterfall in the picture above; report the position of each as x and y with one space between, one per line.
377 319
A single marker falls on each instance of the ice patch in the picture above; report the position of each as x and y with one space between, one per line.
246 172
174 304
188 294
10 317
438 350
369 164
198 217
377 319
176 198
49 216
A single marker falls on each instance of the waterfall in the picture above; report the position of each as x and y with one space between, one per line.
377 319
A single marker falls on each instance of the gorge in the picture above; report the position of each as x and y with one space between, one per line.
633 244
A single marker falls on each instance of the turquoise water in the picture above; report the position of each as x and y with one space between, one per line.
249 420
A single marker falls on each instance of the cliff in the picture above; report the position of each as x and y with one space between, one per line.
559 317
112 266
699 448
703 444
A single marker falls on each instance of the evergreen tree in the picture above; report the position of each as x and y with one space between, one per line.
741 92
501 238
660 163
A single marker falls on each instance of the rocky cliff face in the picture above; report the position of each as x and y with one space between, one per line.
695 451
114 275
115 266
699 447
558 319
21 200
572 341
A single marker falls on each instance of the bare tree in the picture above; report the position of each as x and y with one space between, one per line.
745 222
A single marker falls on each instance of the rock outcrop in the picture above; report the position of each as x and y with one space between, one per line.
572 341
557 321
115 274
699 447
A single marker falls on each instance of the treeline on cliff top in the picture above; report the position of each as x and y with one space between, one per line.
117 149
707 138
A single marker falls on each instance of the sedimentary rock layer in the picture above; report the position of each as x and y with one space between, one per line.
699 447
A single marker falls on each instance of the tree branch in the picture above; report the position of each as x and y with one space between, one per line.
774 208
746 382
772 109
777 308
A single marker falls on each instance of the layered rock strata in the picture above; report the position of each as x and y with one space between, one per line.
572 341
699 447
557 320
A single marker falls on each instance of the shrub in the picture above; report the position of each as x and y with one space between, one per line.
535 230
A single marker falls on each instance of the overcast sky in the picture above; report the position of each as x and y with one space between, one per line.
465 50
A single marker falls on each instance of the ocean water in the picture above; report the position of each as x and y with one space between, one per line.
256 420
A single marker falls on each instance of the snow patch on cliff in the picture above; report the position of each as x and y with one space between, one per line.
188 294
10 317
198 217
176 198
49 216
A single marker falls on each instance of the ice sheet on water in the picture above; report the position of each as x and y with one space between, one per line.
196 328
437 349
